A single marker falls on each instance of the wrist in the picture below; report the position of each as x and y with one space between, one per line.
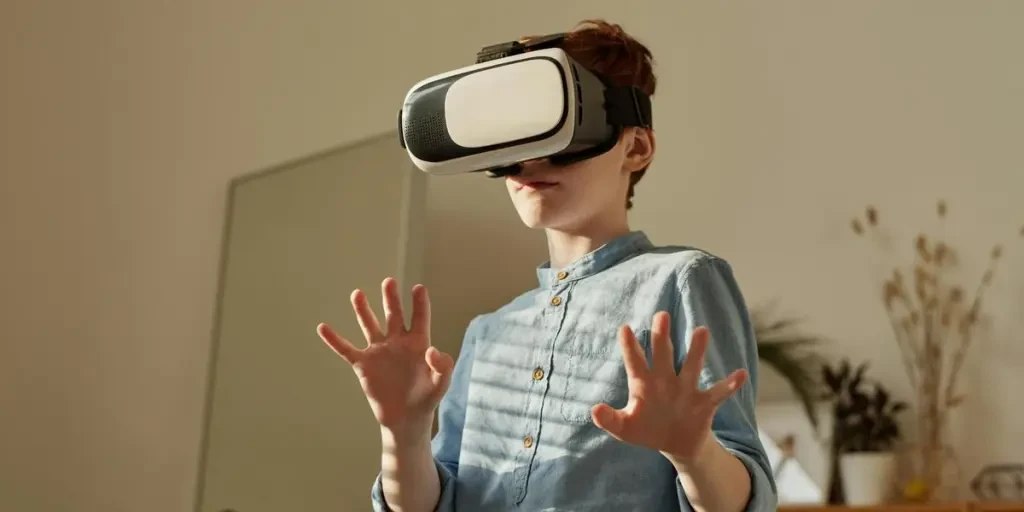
702 456
407 434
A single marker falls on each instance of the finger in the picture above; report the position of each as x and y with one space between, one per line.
610 420
392 306
420 309
441 368
632 355
662 353
726 388
339 345
694 363
367 320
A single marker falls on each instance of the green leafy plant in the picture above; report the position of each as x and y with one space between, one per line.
862 421
782 346
865 414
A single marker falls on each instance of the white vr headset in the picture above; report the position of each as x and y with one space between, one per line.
519 102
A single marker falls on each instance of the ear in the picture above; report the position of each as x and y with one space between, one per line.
640 145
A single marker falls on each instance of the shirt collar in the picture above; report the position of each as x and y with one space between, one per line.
606 256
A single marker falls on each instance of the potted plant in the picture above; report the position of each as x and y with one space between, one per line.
864 436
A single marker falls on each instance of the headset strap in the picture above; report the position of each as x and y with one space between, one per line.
628 106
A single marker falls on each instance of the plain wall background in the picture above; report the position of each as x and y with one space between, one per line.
121 124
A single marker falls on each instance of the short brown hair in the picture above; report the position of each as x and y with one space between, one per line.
607 49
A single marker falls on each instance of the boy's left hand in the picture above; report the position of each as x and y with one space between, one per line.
666 412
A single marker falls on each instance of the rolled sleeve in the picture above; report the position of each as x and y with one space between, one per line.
710 297
763 495
446 502
762 485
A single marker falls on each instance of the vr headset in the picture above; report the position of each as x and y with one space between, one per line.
519 102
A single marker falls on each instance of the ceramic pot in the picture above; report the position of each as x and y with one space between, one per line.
868 477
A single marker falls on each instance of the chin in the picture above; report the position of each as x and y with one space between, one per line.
533 220
543 218
536 217
539 212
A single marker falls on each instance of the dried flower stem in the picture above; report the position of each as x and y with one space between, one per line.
910 353
966 327
932 330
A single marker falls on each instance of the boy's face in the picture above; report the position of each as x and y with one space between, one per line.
583 195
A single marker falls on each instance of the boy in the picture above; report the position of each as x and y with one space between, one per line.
548 408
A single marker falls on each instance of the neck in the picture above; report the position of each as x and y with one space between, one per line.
566 246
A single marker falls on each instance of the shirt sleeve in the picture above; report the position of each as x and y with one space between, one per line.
447 444
710 297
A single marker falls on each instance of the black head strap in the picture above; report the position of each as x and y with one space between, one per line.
628 106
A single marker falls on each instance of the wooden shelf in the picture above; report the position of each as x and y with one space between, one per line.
925 507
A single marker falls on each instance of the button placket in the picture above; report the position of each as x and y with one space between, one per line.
559 292
553 313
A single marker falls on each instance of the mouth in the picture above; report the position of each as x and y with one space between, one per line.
534 184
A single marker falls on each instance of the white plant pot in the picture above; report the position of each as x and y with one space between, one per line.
867 477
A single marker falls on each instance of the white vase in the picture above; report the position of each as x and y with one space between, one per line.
868 477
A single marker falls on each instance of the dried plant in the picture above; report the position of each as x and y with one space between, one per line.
935 322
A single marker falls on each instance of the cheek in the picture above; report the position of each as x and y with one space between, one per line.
595 180
511 189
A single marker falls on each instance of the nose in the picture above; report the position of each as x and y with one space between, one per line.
527 167
534 165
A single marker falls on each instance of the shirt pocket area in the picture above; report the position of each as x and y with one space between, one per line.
597 376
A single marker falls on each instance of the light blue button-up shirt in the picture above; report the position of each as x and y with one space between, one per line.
515 427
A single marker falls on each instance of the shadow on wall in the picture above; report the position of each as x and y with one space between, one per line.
479 256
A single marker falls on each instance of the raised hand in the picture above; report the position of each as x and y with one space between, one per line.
402 376
666 411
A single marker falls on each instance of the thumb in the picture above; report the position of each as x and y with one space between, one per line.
609 419
726 388
441 366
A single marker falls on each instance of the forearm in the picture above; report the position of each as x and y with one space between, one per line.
715 480
409 478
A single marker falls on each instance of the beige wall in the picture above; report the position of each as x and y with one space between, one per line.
122 123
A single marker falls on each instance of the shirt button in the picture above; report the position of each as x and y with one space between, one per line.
556 301
562 275
528 441
538 374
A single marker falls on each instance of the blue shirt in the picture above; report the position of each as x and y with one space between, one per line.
515 427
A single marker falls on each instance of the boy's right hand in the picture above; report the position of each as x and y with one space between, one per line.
402 376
